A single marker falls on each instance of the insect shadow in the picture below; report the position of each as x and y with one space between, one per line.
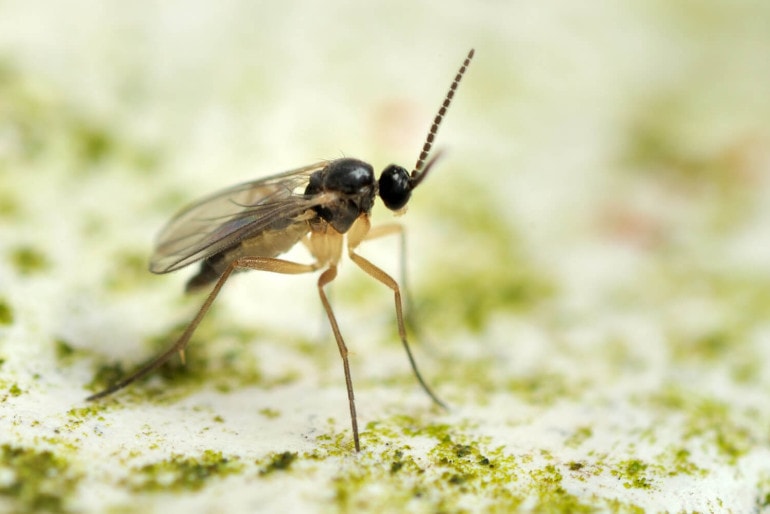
325 206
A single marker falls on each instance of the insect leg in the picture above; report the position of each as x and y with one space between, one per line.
397 229
326 277
382 277
255 263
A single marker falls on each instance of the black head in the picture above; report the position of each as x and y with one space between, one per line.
396 184
394 187
352 182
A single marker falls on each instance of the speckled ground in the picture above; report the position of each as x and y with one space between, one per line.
589 264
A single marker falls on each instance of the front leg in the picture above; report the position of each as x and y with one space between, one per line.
358 233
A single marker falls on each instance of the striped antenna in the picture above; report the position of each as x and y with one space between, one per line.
416 176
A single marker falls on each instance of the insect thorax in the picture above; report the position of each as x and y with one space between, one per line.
350 187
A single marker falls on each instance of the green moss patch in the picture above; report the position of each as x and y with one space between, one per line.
456 474
180 473
36 480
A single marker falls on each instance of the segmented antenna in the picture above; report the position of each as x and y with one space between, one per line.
437 121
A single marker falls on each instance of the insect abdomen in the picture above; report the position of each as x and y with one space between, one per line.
268 243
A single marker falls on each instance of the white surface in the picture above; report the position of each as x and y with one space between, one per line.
649 257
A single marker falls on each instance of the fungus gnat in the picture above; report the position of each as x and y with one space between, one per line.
247 226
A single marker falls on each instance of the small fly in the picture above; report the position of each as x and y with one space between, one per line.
246 227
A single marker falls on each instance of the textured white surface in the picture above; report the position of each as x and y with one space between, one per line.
617 152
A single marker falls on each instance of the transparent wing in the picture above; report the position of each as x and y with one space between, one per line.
222 219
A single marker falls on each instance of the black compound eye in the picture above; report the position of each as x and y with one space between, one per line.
395 188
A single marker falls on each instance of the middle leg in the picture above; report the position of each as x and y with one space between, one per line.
326 277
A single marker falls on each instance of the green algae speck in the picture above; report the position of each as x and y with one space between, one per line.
6 313
278 462
29 260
